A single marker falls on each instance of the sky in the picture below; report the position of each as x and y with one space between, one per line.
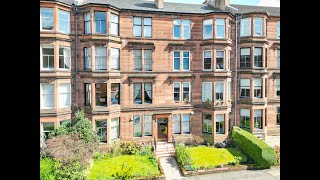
273 3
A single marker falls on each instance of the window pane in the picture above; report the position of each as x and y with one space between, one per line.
87 23
115 130
101 129
101 94
137 21
186 123
64 21
207 28
258 26
115 58
137 128
137 96
176 65
186 92
176 123
176 30
147 31
115 93
87 58
186 29
100 22
64 58
186 60
64 95
101 58
48 96
206 91
207 65
278 29
176 90
220 28
147 21
47 22
137 58
147 60
137 31
148 92
245 27
87 94
147 125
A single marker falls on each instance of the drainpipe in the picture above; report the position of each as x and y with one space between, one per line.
75 11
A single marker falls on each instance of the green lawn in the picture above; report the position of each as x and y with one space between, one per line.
209 157
134 165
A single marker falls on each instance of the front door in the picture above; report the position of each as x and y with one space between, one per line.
162 129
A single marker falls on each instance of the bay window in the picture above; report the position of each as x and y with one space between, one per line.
258 118
64 21
114 24
206 91
186 123
100 22
176 124
101 129
115 93
87 94
87 23
258 88
181 26
148 125
245 58
219 123
207 60
87 58
64 58
245 118
220 28
245 27
244 88
115 128
207 29
64 95
258 24
101 94
220 60
207 123
46 19
101 58
115 58
219 91
47 96
258 57
137 127
47 58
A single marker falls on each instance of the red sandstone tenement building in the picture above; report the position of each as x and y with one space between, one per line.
150 69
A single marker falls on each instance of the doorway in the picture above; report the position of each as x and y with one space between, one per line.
162 129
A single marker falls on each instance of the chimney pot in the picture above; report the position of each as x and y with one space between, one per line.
159 3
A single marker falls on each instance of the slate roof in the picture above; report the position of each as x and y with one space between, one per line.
174 7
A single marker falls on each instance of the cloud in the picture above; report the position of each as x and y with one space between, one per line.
273 3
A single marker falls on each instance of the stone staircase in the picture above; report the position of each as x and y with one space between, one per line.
259 133
165 149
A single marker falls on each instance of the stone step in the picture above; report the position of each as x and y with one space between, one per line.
165 155
164 152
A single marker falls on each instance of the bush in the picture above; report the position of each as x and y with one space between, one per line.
72 170
194 141
125 148
183 157
146 151
70 148
47 169
263 155
220 145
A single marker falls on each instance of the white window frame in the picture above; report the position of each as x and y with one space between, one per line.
41 56
223 92
41 95
179 91
205 90
114 57
203 52
224 60
52 18
181 29
68 93
257 88
182 91
256 25
114 24
104 59
66 20
242 110
208 122
242 32
87 58
43 131
181 62
86 19
176 121
64 60
144 123
141 123
182 121
209 24
244 88
224 28
224 124
116 126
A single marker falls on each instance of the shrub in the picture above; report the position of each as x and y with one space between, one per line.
263 155
129 148
72 170
70 148
194 141
146 151
183 157
47 169
220 145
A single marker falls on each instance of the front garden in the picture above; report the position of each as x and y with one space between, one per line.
71 152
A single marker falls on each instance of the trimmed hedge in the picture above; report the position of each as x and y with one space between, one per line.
263 155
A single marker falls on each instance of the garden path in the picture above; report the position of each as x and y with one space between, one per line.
170 168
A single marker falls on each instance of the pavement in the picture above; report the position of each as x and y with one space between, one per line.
273 140
170 168
266 174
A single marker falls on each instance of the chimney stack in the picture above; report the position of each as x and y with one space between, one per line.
220 4
159 3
